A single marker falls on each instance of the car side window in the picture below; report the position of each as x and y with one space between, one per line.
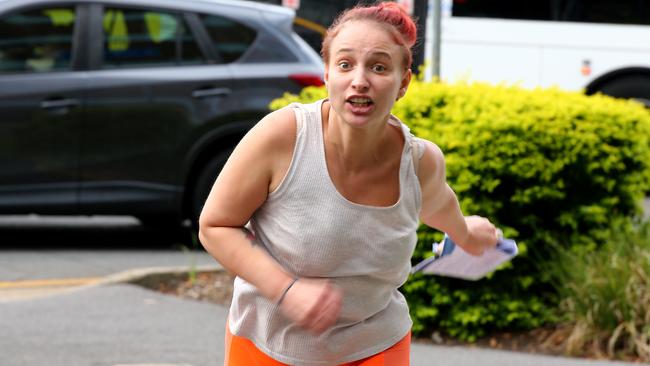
231 39
37 40
135 37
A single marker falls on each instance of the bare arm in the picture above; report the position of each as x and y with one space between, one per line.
241 188
256 167
440 208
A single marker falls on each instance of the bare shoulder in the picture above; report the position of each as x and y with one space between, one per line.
433 181
270 140
277 128
432 165
271 143
253 168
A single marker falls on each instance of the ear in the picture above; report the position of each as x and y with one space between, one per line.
406 80
404 84
326 74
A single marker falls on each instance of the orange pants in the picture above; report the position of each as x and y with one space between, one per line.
241 351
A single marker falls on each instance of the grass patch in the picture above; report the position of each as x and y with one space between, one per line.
605 297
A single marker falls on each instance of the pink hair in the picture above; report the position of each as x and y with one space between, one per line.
389 14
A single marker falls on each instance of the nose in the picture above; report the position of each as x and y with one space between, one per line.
360 80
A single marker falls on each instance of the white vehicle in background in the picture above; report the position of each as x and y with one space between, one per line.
591 45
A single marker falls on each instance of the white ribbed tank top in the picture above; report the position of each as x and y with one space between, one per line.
313 231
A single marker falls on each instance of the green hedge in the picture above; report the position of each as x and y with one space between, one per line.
545 165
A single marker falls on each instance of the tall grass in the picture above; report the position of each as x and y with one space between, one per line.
605 297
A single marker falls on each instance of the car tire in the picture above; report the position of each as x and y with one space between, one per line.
168 225
159 221
204 182
633 86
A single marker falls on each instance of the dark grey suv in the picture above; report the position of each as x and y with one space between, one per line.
130 107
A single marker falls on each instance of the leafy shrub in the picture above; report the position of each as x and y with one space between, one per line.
546 166
606 296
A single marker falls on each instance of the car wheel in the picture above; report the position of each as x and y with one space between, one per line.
168 225
205 181
633 86
159 221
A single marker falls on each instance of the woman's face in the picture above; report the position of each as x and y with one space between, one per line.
365 73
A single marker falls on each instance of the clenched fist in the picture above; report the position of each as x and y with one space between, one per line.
313 304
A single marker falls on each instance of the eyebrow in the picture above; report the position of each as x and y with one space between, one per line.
374 53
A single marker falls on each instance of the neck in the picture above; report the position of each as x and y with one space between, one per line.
355 148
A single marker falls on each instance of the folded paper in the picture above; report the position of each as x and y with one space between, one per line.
452 261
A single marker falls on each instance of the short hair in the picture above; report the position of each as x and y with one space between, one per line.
389 14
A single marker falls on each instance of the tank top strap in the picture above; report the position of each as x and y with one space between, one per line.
415 144
300 116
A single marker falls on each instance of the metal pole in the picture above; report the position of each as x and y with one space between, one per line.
432 40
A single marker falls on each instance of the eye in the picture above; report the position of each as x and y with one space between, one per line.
378 68
344 65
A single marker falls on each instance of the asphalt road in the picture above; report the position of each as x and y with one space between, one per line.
34 248
109 323
128 325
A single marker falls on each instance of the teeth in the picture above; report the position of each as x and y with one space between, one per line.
360 100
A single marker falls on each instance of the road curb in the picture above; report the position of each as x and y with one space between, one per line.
140 275
137 276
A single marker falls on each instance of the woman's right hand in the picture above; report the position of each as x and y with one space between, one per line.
313 304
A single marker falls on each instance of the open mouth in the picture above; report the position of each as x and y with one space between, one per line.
360 102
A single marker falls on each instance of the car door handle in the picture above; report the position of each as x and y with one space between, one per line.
59 103
211 92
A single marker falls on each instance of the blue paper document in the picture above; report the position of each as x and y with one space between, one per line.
452 261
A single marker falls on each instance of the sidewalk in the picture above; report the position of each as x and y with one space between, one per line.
113 323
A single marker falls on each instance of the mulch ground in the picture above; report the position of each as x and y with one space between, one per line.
216 287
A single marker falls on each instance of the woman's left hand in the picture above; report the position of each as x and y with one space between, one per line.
481 235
